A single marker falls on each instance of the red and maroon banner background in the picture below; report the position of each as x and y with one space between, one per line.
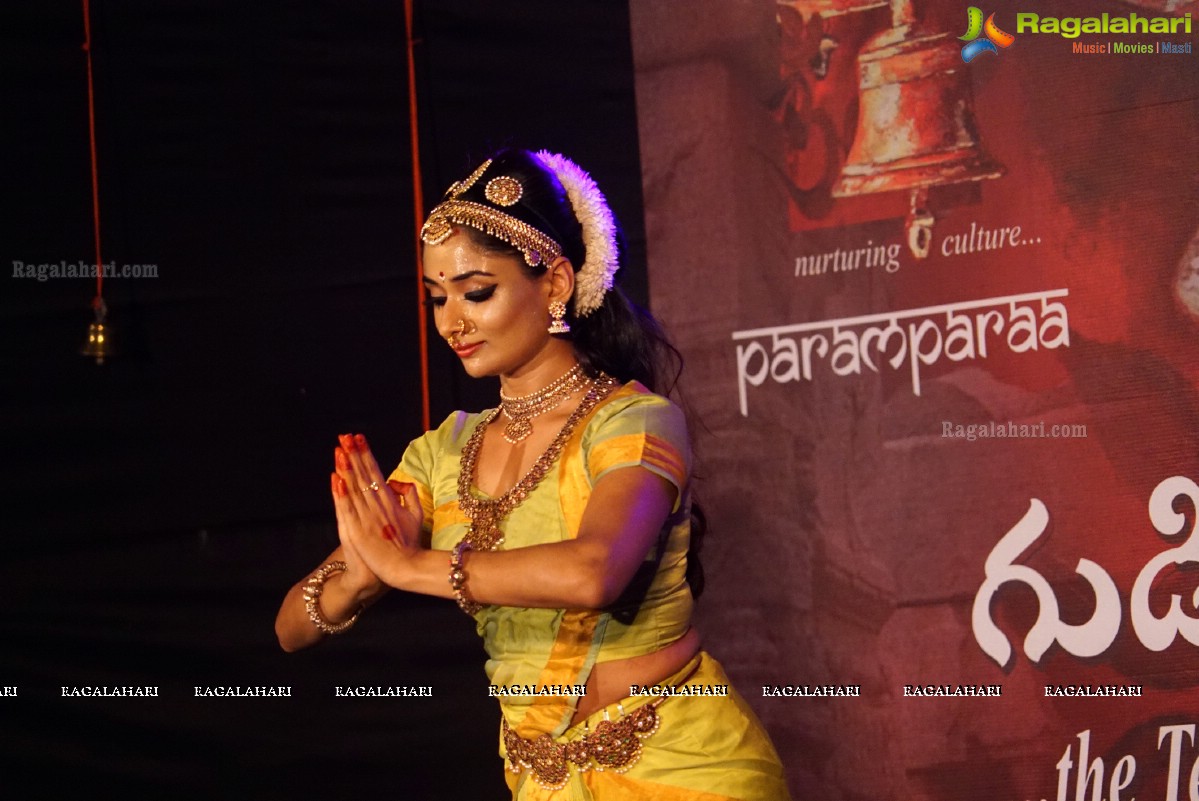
972 469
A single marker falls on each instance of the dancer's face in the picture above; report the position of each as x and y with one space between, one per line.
506 311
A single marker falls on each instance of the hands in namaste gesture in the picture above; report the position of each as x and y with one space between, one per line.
378 521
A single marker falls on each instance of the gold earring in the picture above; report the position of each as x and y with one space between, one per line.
558 324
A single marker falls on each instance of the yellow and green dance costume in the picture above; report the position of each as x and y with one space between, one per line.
704 748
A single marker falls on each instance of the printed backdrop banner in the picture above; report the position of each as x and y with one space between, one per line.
935 270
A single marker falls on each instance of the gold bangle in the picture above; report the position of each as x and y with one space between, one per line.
312 594
458 579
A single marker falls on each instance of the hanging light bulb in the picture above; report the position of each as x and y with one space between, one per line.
99 340
98 344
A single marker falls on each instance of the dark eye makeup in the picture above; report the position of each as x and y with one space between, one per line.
474 296
480 295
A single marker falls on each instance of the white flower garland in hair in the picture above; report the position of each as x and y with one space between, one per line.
595 277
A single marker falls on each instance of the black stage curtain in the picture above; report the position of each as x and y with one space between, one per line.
157 507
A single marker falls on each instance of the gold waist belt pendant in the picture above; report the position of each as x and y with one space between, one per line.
614 745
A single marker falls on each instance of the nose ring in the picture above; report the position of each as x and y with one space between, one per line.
462 327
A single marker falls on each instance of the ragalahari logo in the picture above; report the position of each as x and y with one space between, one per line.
993 39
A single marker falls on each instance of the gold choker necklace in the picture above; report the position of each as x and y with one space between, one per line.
522 410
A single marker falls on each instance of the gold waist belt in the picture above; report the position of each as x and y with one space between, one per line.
614 745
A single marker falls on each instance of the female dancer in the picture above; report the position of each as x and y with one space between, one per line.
561 519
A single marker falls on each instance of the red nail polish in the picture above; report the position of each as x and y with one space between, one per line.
389 533
360 441
340 458
339 487
347 442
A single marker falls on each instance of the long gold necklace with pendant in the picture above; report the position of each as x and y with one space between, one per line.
486 513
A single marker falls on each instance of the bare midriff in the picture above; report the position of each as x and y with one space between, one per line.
609 682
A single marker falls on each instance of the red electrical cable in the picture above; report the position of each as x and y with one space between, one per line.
98 301
418 205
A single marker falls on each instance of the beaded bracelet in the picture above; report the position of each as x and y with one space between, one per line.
458 579
312 594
